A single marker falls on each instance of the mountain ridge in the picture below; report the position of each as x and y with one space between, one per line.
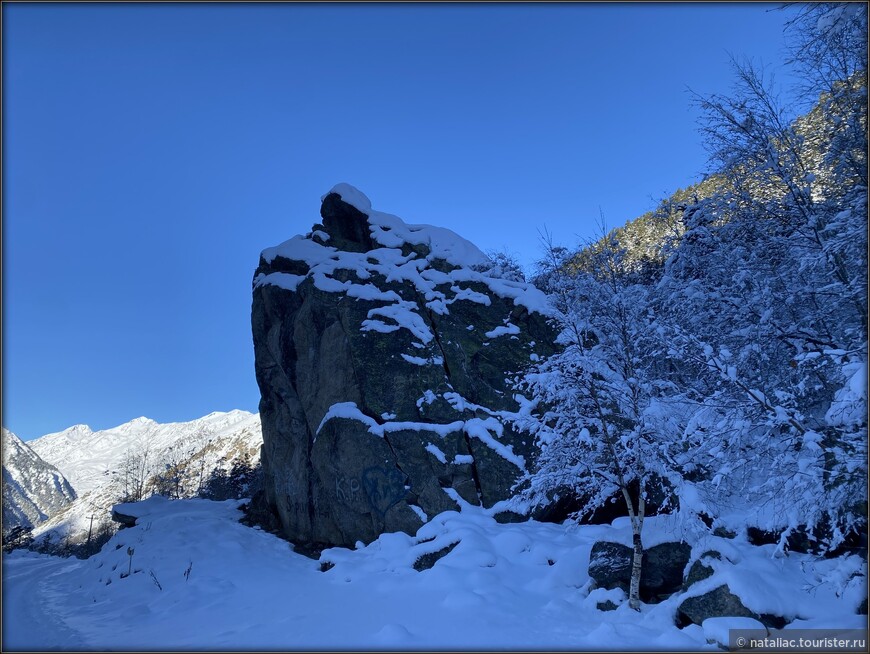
107 447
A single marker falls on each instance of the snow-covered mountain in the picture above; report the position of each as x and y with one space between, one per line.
33 490
88 457
94 461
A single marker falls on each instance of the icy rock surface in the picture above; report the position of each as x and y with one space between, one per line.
383 352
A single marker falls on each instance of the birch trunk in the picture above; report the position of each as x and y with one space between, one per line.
636 567
637 561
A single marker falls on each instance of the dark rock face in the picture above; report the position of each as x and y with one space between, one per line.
258 512
426 561
383 353
566 504
663 567
346 225
699 570
123 519
610 565
807 541
661 574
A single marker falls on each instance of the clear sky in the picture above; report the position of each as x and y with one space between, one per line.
152 151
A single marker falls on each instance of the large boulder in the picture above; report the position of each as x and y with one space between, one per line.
716 603
719 601
383 353
610 565
661 570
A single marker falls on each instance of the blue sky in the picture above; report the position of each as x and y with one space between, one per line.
152 151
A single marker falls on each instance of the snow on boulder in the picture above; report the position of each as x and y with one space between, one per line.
383 352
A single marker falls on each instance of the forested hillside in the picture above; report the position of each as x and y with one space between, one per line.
715 350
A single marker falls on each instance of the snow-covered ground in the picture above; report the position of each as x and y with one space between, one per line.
202 580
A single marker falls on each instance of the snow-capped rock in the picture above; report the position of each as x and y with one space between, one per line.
383 352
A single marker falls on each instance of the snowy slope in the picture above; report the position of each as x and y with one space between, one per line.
91 460
33 490
200 580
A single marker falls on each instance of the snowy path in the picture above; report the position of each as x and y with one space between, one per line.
28 594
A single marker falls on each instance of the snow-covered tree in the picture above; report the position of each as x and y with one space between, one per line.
599 405
729 368
765 292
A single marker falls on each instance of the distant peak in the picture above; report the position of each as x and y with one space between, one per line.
238 412
222 414
136 422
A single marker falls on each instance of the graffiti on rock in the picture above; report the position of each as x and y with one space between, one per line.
347 490
385 487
